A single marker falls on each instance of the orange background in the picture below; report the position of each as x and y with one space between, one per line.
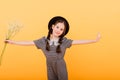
98 61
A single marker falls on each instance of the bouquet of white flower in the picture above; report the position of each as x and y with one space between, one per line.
13 29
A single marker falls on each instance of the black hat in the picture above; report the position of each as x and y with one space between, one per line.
59 19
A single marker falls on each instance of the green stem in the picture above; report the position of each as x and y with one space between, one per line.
5 45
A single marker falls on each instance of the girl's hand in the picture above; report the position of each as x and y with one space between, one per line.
9 41
98 37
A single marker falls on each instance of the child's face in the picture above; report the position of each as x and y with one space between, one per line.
58 29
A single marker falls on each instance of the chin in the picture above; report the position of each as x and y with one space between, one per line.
57 35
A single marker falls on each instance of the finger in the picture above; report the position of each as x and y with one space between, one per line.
6 41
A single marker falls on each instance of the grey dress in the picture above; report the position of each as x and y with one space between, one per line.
56 66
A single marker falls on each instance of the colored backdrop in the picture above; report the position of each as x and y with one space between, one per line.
97 61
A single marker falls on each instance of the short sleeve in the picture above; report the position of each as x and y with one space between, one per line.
67 42
40 43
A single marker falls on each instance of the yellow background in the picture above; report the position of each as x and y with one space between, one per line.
98 61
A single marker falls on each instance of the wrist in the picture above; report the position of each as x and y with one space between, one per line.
11 42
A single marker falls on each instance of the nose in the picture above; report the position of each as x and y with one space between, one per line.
58 30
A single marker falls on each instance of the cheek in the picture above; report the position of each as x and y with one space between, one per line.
61 32
54 30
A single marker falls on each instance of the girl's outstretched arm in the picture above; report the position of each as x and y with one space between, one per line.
23 43
87 41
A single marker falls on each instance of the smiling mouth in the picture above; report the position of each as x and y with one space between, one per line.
57 32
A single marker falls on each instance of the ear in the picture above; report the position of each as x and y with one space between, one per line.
53 26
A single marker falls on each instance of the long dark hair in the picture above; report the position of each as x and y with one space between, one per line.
53 21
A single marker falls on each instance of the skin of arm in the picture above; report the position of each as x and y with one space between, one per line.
22 43
75 42
87 41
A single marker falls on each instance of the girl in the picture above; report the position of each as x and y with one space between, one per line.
54 47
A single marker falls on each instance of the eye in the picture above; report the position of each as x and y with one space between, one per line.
57 27
61 29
